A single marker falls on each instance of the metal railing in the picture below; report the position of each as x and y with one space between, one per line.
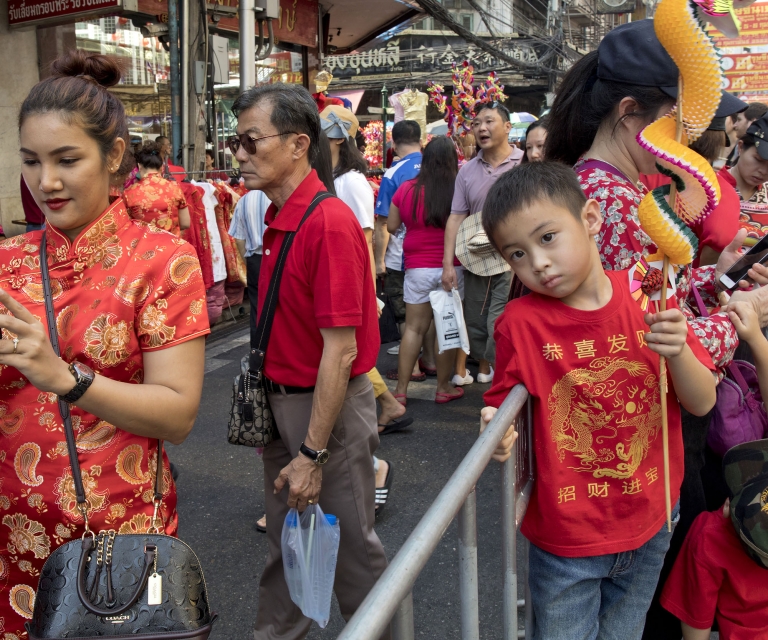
391 597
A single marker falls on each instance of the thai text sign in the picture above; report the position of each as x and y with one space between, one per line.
392 58
35 11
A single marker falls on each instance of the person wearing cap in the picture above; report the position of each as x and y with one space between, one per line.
487 276
604 101
721 573
718 229
748 176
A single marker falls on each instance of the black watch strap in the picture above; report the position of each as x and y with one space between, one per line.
318 457
82 382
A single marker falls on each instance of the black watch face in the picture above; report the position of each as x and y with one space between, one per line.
322 456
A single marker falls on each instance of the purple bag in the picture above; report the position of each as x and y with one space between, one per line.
739 415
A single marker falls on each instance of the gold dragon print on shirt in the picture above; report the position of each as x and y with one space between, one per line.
605 416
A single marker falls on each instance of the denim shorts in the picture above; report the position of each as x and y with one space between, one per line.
596 597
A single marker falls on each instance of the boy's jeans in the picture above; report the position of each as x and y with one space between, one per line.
596 597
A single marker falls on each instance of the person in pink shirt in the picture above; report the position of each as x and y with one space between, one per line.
423 205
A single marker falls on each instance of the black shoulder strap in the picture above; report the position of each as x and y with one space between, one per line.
267 314
69 432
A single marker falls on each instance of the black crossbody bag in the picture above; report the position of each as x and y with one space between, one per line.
250 418
144 585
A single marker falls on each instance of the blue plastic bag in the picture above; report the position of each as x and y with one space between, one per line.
310 546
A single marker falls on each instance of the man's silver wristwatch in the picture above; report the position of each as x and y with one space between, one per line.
318 457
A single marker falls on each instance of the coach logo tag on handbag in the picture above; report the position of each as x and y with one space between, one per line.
155 589
125 617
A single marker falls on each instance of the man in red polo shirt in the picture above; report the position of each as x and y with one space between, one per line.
324 340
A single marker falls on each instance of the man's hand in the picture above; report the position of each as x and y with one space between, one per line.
757 299
381 269
449 279
669 331
304 478
504 450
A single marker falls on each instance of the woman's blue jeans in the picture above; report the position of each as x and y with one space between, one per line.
596 597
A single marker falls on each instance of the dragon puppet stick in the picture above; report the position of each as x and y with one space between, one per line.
694 191
663 385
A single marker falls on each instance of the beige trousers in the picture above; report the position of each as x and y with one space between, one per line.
347 492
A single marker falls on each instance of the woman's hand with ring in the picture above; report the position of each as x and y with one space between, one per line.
30 351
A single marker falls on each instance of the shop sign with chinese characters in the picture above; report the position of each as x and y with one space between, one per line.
391 59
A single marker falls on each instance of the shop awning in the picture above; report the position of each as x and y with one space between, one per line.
354 23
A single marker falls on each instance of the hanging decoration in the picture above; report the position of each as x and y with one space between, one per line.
465 99
374 149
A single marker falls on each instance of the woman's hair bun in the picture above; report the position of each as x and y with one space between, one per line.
106 71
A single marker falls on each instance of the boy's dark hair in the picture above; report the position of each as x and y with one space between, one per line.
406 132
526 184
210 153
496 106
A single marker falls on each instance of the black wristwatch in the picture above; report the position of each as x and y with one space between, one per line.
83 379
318 457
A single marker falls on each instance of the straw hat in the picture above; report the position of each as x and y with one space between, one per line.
474 250
340 122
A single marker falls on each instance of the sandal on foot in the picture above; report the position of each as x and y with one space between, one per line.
431 372
262 528
442 398
401 398
398 424
392 375
382 493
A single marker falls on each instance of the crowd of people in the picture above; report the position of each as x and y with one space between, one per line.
538 241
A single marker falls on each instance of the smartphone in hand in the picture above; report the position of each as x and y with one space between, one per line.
757 254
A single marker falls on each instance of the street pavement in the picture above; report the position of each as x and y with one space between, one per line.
221 496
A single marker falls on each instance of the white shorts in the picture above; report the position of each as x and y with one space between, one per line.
419 282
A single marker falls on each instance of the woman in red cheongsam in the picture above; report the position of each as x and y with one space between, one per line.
129 305
154 199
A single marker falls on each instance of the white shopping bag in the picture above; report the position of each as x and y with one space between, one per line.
449 320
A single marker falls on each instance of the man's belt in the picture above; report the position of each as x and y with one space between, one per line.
273 387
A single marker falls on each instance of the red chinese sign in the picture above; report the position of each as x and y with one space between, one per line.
22 12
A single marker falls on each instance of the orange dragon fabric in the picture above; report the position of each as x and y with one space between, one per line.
121 289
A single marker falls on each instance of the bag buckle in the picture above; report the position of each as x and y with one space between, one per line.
256 360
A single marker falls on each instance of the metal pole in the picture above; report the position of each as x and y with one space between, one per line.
402 621
508 545
373 615
468 578
384 127
173 35
185 84
529 619
247 45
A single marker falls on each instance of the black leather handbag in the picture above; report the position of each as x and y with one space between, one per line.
144 585
250 418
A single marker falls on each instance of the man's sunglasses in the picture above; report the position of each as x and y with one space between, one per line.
249 143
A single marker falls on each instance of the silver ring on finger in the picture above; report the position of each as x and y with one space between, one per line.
310 502
15 344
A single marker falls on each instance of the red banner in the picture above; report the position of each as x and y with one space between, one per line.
44 11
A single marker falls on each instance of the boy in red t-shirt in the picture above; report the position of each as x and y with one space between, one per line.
589 357
722 570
